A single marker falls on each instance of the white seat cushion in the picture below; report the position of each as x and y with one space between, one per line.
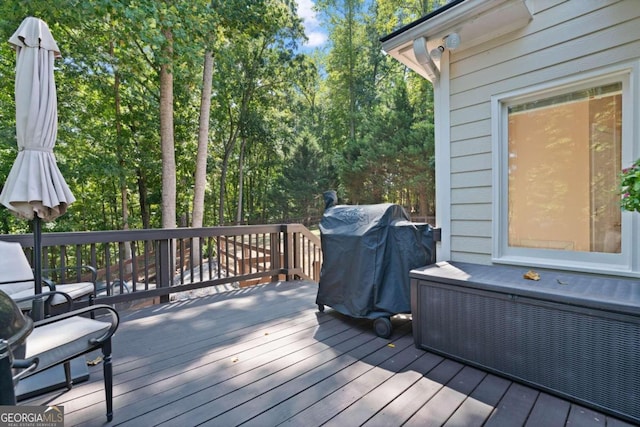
61 340
74 290
15 266
22 294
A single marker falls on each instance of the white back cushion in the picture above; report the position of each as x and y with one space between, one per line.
14 266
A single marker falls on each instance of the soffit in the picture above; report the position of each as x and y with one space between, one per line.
475 21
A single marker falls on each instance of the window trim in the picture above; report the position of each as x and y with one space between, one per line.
627 262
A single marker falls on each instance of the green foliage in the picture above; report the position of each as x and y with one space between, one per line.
304 174
284 127
379 116
630 187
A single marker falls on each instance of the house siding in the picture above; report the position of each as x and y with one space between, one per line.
564 38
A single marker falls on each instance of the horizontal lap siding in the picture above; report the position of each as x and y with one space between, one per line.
564 38
477 178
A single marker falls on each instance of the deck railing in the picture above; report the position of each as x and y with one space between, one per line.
142 264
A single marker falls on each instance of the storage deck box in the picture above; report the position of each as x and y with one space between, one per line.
575 335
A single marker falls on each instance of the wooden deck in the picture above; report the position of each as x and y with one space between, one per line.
264 356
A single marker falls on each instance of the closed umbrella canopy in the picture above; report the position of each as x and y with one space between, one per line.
35 184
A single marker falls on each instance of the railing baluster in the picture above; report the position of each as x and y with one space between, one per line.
121 261
145 260
93 257
251 257
78 277
63 263
107 261
226 255
264 252
211 253
235 256
180 255
134 263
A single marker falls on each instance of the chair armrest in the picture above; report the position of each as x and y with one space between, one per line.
49 295
27 365
46 282
115 319
49 283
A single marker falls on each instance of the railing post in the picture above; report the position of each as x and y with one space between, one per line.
164 275
121 257
274 245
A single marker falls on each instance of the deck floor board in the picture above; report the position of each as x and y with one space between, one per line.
478 405
548 410
264 356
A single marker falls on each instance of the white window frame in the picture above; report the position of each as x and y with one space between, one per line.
626 263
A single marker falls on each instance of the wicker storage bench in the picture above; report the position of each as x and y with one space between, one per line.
574 335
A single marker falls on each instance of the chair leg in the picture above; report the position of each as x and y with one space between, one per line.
67 374
7 393
91 301
108 377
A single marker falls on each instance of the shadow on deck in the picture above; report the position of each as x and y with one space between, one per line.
264 356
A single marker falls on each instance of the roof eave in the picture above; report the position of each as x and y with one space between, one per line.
475 21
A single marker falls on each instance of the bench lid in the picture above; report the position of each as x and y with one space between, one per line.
619 295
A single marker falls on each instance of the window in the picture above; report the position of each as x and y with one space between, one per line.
560 152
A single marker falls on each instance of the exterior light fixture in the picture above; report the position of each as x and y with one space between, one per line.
452 41
436 53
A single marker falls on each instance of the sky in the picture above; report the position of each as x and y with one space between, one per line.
316 35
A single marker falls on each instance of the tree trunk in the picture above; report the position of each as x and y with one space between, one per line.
243 144
144 204
166 136
197 216
203 142
228 149
123 181
352 77
423 204
223 184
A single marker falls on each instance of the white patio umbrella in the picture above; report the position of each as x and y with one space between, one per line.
35 188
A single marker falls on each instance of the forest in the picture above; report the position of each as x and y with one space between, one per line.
191 113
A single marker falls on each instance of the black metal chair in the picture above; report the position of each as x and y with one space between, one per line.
18 280
28 347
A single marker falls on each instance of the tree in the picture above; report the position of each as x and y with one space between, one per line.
264 63
381 134
203 142
223 16
343 72
166 133
303 175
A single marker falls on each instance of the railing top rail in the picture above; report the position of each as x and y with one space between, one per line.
88 237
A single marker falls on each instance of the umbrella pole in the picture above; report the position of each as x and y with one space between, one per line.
37 312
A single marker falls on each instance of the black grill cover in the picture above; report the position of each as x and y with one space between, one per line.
367 252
